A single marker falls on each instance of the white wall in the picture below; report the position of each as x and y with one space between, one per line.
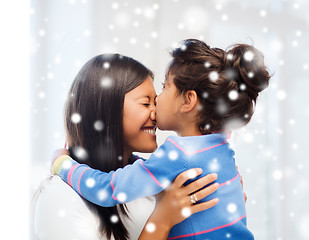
270 150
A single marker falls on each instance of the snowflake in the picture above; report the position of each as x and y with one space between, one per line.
213 76
192 173
159 153
242 87
76 118
277 174
298 33
80 152
42 33
265 29
221 107
50 75
303 227
106 65
115 6
207 64
62 213
106 82
67 164
224 17
172 155
229 56
248 137
214 165
250 75
186 212
281 95
90 182
154 34
133 40
231 208
122 197
248 56
156 6
98 125
294 43
87 33
41 95
205 95
149 13
233 95
165 182
207 126
114 218
102 195
150 227
263 13
294 146
195 19
183 47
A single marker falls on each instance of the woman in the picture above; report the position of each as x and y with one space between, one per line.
109 114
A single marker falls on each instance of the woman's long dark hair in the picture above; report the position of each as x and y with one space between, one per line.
94 117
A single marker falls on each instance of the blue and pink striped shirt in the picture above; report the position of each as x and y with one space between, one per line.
212 153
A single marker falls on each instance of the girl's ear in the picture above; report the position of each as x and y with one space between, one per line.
190 101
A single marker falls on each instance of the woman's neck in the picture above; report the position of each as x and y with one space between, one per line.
125 158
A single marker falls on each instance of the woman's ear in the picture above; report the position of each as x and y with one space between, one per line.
190 101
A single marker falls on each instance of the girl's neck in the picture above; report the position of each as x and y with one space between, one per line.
189 131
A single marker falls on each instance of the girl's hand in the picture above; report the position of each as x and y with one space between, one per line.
58 153
178 202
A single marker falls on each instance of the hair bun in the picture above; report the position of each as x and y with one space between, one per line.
248 66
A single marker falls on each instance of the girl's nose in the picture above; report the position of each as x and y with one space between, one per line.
153 114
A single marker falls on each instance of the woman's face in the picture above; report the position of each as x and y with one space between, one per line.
139 122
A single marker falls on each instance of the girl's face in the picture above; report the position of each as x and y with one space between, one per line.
168 106
139 121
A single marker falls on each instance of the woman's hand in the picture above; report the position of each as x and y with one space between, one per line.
178 202
242 184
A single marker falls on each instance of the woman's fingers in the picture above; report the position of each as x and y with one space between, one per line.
204 205
205 192
199 183
186 175
245 196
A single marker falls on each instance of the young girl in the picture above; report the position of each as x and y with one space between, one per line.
206 90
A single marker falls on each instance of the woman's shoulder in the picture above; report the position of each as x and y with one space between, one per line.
60 213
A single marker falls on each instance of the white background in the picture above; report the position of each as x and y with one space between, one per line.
44 43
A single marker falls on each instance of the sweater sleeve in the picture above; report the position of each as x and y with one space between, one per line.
140 179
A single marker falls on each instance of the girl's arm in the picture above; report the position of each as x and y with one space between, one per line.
140 179
175 201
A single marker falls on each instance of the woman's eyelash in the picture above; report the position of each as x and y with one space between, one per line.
146 104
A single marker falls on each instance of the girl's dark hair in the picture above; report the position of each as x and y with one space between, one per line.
94 117
227 83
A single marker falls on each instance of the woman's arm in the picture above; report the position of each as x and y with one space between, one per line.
174 204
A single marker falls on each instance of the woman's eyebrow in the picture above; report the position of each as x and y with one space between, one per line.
146 96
